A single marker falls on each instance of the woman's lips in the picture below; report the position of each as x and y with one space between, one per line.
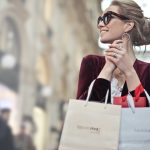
103 32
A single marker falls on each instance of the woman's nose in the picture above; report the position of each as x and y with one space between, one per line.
100 24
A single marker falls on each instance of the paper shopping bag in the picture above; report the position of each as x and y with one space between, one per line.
135 129
91 126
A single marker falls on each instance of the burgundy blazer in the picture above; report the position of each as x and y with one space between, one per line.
90 68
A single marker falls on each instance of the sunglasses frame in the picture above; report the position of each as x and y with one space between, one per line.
109 14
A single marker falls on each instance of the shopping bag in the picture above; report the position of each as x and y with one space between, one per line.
91 125
135 127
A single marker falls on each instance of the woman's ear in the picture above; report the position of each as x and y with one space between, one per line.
129 26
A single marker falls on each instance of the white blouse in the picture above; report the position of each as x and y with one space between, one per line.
115 89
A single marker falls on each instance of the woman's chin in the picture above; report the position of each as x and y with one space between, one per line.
104 41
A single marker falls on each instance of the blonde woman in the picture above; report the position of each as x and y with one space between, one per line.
122 25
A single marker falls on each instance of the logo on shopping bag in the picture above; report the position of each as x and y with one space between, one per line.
142 130
91 129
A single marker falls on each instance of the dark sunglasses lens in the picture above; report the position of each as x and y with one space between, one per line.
99 20
107 18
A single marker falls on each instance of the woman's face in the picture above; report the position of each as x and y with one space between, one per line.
114 29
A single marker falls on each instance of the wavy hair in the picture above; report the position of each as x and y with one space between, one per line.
140 34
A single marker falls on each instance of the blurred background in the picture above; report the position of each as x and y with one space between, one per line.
42 43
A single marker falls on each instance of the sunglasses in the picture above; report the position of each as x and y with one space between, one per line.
106 18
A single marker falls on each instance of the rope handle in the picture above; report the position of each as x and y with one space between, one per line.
90 92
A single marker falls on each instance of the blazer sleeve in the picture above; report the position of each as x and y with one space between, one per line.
147 84
87 74
145 81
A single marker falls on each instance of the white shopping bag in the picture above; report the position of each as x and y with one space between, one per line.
135 127
91 125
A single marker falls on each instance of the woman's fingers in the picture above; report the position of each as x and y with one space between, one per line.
114 55
112 59
117 42
118 47
114 50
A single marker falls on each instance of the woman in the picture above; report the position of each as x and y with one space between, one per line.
123 26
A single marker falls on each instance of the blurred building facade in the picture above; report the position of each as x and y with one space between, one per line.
42 43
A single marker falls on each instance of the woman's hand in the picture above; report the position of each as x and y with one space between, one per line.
109 65
108 68
117 53
110 55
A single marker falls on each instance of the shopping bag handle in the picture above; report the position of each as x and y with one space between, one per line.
131 101
147 96
90 91
129 97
